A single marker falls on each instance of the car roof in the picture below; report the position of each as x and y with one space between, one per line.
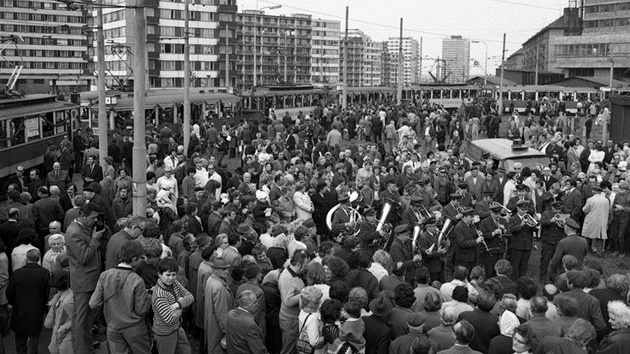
502 149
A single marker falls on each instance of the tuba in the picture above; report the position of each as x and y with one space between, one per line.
354 215
443 241
384 241
387 207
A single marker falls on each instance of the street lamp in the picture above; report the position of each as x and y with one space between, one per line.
485 78
255 30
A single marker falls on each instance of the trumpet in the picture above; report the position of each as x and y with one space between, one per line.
530 221
505 212
561 219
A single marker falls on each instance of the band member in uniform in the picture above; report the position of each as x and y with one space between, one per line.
466 239
494 229
413 214
552 232
521 241
403 254
342 217
391 194
522 193
482 208
432 253
467 199
451 211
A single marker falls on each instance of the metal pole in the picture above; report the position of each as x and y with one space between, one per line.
255 28
536 71
485 66
186 126
400 66
420 64
500 103
227 56
102 109
139 147
286 58
344 95
295 81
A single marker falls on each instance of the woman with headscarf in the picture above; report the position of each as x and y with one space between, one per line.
502 344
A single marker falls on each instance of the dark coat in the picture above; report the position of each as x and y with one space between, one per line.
242 333
574 245
95 173
28 294
521 238
46 210
486 328
431 260
589 308
465 243
402 252
363 278
496 244
605 296
616 342
572 204
377 335
509 286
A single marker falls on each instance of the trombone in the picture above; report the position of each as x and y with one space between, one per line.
530 221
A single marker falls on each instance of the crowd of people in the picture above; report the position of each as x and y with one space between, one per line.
364 230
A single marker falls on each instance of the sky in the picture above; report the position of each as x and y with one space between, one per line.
433 20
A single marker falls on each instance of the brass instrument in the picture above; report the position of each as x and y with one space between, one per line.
387 207
561 219
530 221
505 212
443 242
414 241
354 215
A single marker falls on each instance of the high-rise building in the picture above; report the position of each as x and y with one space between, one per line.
325 51
212 33
456 56
282 45
410 52
364 59
48 41
604 42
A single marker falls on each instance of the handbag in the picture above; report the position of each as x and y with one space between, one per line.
303 346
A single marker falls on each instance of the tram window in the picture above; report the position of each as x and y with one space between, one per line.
48 124
506 95
4 142
530 96
16 131
446 94
569 96
436 94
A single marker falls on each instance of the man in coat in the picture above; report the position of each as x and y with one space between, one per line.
46 210
58 177
464 334
551 234
597 210
403 254
521 241
83 243
493 229
475 183
466 240
92 172
432 253
571 244
589 308
572 201
218 302
485 323
243 335
27 292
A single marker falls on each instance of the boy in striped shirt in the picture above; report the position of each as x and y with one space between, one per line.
168 300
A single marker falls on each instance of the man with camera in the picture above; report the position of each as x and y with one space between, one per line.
83 240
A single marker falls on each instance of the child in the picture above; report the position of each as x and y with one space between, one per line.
168 300
351 331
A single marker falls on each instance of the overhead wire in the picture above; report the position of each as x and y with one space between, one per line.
438 35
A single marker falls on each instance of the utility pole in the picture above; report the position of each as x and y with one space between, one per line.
102 109
536 71
500 103
139 135
227 56
286 58
400 66
255 29
344 96
186 127
295 47
420 64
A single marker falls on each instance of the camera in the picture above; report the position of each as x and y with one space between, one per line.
100 222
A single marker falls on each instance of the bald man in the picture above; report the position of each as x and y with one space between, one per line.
58 177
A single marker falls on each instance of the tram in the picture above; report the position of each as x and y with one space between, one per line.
162 106
282 99
448 96
521 96
30 127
